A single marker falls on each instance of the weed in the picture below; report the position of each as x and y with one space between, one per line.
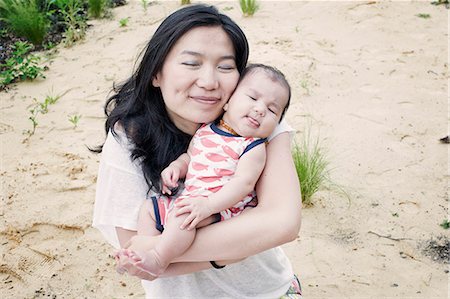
97 8
305 85
445 224
50 45
71 10
185 2
423 15
227 8
49 100
40 108
20 66
123 22
3 33
311 166
248 7
74 119
144 4
34 112
24 18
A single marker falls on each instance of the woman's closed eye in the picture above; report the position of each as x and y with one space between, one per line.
226 67
191 63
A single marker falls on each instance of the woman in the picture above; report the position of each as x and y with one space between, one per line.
189 70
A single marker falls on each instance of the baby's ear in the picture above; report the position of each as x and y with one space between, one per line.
225 108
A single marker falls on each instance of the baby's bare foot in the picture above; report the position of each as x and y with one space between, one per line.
150 262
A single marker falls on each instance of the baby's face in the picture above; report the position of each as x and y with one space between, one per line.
255 108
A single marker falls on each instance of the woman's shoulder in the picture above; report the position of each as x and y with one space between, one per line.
282 127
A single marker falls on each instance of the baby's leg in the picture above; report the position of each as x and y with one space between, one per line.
146 221
173 243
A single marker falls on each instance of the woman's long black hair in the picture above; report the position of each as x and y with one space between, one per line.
139 107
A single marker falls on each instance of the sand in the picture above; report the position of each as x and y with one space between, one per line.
368 78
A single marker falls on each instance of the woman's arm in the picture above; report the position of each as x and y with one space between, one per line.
275 221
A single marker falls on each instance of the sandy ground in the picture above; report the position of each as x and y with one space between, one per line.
369 77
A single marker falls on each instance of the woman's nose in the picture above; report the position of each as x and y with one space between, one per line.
207 78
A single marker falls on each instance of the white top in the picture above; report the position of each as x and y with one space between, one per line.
121 189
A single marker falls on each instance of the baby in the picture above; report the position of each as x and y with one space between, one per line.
221 168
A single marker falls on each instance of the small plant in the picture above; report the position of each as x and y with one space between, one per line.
24 18
311 166
71 11
305 85
50 45
185 2
49 100
40 108
20 66
3 33
97 8
144 4
439 2
123 22
445 224
423 15
33 118
248 7
74 119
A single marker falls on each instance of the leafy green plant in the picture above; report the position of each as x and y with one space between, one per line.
74 119
20 66
185 2
3 32
305 85
40 108
24 19
423 15
144 4
123 22
248 7
97 8
72 14
445 224
311 166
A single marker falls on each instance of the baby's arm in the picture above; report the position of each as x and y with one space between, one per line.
249 168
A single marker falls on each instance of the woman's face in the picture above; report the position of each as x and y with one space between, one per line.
198 77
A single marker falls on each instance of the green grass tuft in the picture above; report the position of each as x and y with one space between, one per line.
311 165
423 15
97 8
24 19
248 7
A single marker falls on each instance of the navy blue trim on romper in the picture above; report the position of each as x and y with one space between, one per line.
253 144
158 225
217 130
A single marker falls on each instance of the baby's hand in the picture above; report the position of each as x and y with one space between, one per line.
169 179
198 208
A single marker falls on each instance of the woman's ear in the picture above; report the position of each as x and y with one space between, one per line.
155 80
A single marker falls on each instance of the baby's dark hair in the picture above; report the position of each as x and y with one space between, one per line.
274 74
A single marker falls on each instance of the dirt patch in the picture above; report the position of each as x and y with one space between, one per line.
438 249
